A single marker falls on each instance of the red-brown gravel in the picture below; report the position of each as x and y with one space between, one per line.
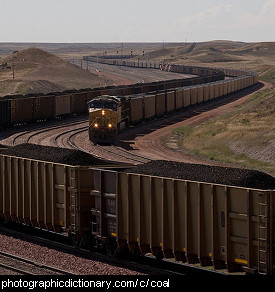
62 260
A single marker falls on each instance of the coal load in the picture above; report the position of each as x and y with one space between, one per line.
54 154
205 173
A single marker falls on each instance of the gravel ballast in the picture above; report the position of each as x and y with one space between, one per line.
72 262
206 173
54 154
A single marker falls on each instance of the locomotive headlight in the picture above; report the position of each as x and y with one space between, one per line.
110 125
103 112
96 125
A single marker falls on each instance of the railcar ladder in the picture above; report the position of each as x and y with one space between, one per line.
73 202
263 233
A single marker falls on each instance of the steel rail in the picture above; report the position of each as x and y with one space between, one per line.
46 128
135 157
29 262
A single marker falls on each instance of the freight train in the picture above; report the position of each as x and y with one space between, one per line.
108 114
21 110
219 216
115 209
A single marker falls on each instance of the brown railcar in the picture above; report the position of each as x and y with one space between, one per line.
211 224
62 105
44 108
21 110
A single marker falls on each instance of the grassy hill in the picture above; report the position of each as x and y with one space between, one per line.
216 53
244 137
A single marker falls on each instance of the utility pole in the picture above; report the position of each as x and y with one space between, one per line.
13 68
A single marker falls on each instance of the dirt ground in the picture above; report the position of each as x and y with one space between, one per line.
37 71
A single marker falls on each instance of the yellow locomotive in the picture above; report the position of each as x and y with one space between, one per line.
107 115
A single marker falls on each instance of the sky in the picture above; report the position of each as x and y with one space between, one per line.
96 21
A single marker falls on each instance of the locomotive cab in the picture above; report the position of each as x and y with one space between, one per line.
104 117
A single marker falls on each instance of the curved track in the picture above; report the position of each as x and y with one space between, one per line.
73 135
30 136
108 152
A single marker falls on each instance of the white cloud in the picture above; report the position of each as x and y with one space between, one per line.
268 10
228 21
266 16
205 19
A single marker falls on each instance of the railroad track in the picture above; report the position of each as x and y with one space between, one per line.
24 266
121 152
63 139
26 136
146 264
65 135
115 153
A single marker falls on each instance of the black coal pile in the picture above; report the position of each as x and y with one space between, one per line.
54 154
205 173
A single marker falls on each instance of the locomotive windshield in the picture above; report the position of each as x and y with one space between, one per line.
99 103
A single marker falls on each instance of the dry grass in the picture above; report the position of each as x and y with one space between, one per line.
245 136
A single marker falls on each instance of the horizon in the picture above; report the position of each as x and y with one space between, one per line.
138 42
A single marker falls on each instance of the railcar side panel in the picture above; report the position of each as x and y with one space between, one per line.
92 94
170 101
149 106
211 91
229 86
200 93
5 113
136 109
206 92
225 88
216 90
160 104
179 98
105 91
21 110
62 105
79 103
221 89
186 97
44 108
194 95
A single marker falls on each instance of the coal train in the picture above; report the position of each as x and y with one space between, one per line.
108 114
111 207
24 109
215 216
